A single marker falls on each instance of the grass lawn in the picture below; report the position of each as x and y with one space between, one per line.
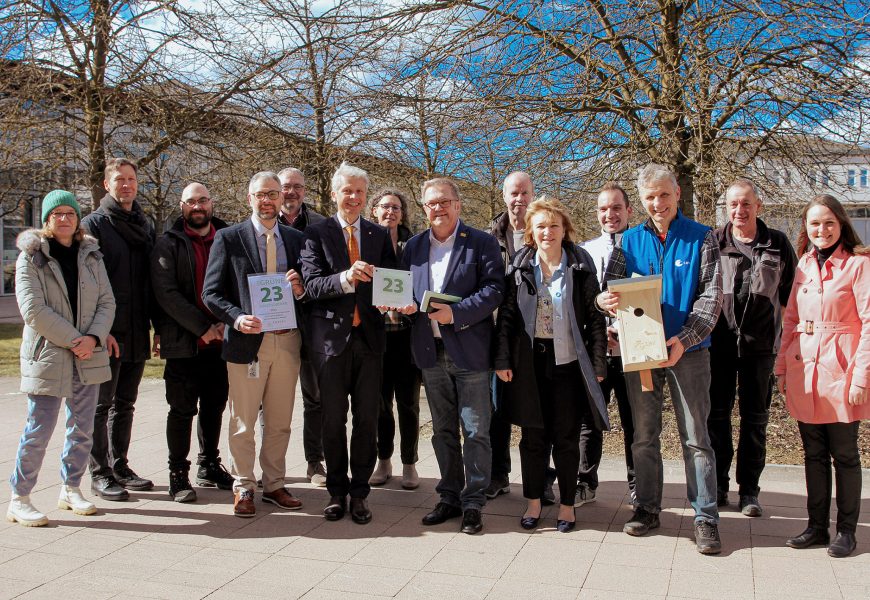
10 343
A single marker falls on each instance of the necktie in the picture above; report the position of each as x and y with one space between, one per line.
353 253
271 253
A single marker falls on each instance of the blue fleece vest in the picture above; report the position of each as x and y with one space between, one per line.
678 260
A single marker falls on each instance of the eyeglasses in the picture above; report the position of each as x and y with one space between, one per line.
390 207
436 204
296 187
60 216
194 201
271 195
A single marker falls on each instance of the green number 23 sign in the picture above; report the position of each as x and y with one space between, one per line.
392 287
271 294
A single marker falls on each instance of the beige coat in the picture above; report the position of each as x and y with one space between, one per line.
826 338
46 359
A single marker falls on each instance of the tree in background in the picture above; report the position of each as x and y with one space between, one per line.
700 86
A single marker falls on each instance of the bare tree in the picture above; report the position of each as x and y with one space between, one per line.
700 86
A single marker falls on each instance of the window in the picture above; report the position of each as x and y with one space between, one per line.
811 178
826 179
850 178
863 178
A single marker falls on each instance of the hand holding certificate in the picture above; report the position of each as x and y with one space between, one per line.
272 301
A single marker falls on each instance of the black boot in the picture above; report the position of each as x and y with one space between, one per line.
213 474
180 488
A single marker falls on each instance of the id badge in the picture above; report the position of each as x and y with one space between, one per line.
254 369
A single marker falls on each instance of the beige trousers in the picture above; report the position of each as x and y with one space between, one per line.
275 391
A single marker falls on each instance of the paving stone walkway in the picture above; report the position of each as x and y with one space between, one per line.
151 547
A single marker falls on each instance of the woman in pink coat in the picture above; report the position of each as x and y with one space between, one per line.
823 367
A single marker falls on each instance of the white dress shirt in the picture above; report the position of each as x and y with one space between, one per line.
346 281
439 258
600 249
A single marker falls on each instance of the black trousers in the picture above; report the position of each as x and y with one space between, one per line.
350 380
312 414
592 439
195 385
113 420
750 379
565 408
837 441
401 378
499 436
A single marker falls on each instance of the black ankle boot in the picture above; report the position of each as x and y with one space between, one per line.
180 488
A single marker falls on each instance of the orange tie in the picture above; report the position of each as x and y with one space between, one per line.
353 253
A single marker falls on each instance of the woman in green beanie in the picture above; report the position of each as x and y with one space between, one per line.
67 304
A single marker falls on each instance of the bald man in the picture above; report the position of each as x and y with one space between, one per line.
195 375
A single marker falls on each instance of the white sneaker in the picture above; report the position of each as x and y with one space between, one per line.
584 495
71 499
22 511
382 473
410 479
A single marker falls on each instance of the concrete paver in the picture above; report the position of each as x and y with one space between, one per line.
152 547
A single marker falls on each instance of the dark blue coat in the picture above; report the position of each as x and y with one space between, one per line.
330 309
475 273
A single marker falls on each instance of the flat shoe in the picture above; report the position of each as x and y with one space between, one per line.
565 526
529 522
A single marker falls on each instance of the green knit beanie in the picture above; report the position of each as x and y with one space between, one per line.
56 198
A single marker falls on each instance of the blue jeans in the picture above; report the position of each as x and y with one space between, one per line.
689 382
460 397
42 414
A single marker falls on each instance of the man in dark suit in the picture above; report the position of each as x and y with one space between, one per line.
452 347
347 338
262 367
298 215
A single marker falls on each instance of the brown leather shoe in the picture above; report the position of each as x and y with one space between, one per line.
244 503
282 499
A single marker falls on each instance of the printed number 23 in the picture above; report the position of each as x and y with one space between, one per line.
273 294
393 285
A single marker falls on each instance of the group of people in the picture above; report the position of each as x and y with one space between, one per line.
524 334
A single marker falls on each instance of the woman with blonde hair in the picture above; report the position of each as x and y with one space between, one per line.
823 367
550 351
66 301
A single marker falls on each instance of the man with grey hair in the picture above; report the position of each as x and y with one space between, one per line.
508 227
758 266
298 215
347 338
261 367
686 255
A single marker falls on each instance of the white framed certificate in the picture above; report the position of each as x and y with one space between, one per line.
392 288
272 301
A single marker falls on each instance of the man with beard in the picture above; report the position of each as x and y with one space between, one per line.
262 367
126 239
296 214
191 343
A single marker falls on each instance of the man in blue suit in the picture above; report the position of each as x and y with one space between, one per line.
347 339
262 367
452 347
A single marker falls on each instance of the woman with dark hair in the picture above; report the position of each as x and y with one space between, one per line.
389 208
66 300
823 367
550 351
